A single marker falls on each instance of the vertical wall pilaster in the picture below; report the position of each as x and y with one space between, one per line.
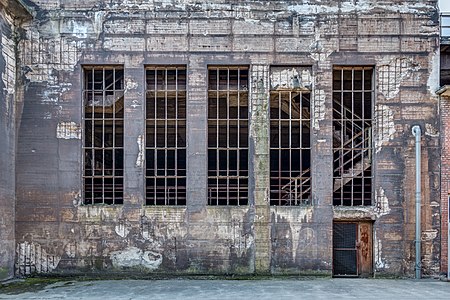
134 130
259 164
196 120
322 163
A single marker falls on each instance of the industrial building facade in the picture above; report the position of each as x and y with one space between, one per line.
224 137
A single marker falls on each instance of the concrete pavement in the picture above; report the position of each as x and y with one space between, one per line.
273 289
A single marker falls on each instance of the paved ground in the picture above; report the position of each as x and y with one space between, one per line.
272 289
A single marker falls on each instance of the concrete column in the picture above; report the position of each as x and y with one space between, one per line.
134 130
322 166
259 164
196 117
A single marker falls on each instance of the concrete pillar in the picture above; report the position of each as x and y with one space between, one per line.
259 162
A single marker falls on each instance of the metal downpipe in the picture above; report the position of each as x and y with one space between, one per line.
418 266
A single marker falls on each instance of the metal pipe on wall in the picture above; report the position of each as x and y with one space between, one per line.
418 266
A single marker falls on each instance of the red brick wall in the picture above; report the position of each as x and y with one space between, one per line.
445 178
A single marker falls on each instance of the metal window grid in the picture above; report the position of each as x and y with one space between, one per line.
103 134
228 135
165 135
352 135
445 27
290 149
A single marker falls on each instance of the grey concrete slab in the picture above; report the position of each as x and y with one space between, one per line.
240 289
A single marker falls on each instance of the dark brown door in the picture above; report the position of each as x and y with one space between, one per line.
352 249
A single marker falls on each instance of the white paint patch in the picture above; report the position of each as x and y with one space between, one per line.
70 250
78 29
8 76
99 19
140 157
361 6
53 93
384 118
301 237
130 84
429 235
431 131
318 107
290 78
122 229
33 258
135 257
378 247
320 56
390 76
381 203
68 130
77 199
434 77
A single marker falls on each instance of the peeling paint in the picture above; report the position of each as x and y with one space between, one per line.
380 263
99 19
384 120
140 156
8 55
429 235
434 71
381 203
431 131
33 258
68 130
390 76
70 250
318 108
301 236
290 78
135 257
122 229
130 84
364 6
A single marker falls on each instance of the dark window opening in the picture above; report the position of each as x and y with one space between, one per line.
165 146
352 136
103 135
290 148
227 136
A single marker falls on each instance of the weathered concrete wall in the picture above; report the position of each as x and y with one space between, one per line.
7 149
55 233
11 15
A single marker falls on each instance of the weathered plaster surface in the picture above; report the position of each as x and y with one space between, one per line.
304 40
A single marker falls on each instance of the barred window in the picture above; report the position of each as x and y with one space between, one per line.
290 148
165 135
103 134
352 137
228 135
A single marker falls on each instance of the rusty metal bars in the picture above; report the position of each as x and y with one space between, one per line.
103 91
165 145
290 149
228 135
352 135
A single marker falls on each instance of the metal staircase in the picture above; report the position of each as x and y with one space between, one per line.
352 152
298 189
